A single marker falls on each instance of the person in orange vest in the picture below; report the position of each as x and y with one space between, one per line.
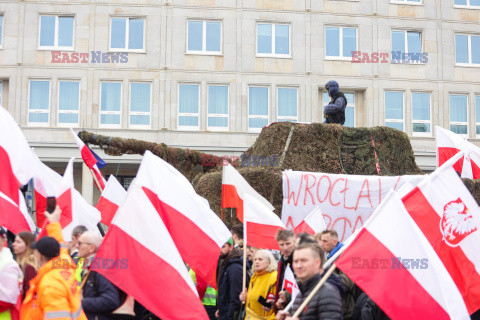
53 293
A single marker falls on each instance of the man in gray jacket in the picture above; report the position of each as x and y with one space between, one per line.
326 303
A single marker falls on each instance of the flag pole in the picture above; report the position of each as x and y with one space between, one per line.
244 279
317 287
101 190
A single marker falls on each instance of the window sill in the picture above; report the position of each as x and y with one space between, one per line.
338 59
203 53
408 3
464 65
140 127
55 49
466 7
421 135
128 51
68 125
110 126
217 129
180 128
274 56
38 125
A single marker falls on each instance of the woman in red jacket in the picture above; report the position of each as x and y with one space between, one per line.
25 259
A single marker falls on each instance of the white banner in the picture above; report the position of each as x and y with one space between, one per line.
346 201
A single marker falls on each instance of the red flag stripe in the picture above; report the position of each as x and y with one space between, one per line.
420 304
445 153
304 227
108 209
262 236
8 182
231 199
144 286
458 265
193 245
11 217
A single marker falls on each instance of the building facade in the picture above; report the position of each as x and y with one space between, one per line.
209 74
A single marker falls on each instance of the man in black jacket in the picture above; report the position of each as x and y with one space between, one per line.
99 296
326 303
335 111
230 277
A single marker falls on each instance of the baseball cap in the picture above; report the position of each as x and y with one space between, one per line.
230 241
47 246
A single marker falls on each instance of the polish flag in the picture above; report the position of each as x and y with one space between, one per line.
449 218
449 144
111 198
261 224
290 284
196 230
92 161
392 251
17 168
312 224
149 266
75 209
234 189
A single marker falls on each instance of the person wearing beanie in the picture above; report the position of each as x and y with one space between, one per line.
53 293
334 112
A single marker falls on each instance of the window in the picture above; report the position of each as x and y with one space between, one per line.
188 105
217 107
257 108
140 97
467 3
340 42
421 114
39 102
56 32
406 1
349 110
1 31
408 43
394 109
467 49
204 37
68 102
287 104
127 34
458 114
273 39
477 114
111 104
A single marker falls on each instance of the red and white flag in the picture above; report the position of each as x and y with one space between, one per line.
390 250
111 199
196 230
90 160
313 223
234 189
261 224
289 283
17 168
75 209
449 144
449 217
149 266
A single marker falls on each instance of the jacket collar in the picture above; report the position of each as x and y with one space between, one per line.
308 285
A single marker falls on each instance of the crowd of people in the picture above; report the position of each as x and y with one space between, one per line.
51 279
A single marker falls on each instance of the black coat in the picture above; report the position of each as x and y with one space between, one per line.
230 286
100 297
326 304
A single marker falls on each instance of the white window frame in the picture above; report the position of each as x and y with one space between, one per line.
59 124
139 113
403 109
287 118
405 32
422 134
467 6
204 39
469 64
47 111
112 126
127 35
219 115
477 108
258 116
340 40
3 29
457 122
55 41
179 114
406 2
273 54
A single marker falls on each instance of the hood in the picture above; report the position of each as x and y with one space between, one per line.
336 281
233 257
332 87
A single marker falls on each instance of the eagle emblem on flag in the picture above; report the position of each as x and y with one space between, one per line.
456 223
